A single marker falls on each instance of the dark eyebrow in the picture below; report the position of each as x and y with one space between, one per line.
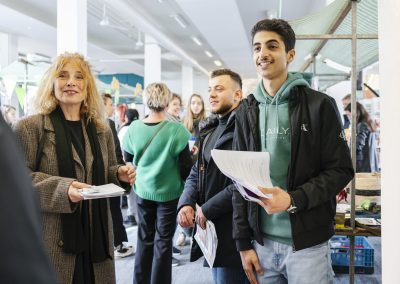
270 41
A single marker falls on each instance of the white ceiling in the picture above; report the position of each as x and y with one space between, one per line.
223 26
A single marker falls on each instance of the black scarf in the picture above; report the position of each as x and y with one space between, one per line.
72 226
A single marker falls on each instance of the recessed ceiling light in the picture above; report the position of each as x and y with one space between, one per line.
197 41
218 63
179 20
208 53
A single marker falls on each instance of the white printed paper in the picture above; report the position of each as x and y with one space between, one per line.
247 170
207 240
102 191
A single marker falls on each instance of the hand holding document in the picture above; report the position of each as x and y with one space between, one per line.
207 241
247 170
101 191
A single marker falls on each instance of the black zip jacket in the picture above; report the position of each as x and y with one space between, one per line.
320 166
213 195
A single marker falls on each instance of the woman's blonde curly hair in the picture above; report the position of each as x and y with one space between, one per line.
92 105
157 96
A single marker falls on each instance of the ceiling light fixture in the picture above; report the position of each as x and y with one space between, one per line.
309 56
337 66
139 41
218 63
179 20
208 53
197 41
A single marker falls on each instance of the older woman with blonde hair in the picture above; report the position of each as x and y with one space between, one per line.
69 146
159 149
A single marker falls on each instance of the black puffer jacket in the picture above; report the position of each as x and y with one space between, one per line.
320 166
214 196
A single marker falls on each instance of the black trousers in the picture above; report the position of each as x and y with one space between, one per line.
118 225
156 227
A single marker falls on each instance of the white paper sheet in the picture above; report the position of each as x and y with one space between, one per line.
208 241
102 191
248 171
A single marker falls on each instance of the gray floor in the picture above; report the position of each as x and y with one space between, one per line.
195 273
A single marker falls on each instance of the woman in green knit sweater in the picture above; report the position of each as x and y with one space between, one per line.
161 166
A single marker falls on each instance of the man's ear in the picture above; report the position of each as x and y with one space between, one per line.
238 95
290 55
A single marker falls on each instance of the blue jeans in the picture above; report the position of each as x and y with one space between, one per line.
229 275
282 265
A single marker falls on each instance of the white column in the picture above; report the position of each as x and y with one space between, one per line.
72 26
8 49
187 81
152 61
389 62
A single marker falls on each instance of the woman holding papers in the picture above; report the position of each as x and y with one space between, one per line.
159 149
69 146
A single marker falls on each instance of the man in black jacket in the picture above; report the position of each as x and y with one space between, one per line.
207 186
309 164
120 236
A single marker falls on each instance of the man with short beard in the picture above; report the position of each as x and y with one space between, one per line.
207 186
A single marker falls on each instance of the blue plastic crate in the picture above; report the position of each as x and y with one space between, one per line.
363 255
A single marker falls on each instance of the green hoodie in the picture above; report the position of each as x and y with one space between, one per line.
275 138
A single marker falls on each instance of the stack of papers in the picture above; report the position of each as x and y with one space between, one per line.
368 221
247 170
207 241
102 191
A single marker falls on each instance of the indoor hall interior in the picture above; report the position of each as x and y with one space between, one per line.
343 47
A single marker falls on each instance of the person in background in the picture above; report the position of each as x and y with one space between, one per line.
173 112
131 213
120 236
23 255
346 120
159 150
366 144
195 112
174 108
129 116
284 239
211 189
120 120
120 114
69 146
10 115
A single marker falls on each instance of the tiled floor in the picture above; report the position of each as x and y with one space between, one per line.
195 273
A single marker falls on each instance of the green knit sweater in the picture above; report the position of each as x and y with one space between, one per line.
157 173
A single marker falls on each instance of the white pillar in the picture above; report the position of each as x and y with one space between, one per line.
152 61
389 62
187 81
72 26
8 49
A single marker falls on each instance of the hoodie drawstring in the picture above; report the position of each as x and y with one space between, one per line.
275 100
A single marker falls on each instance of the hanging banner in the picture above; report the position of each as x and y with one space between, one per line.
116 97
138 90
21 95
115 87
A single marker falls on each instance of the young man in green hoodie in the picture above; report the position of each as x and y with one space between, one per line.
309 164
